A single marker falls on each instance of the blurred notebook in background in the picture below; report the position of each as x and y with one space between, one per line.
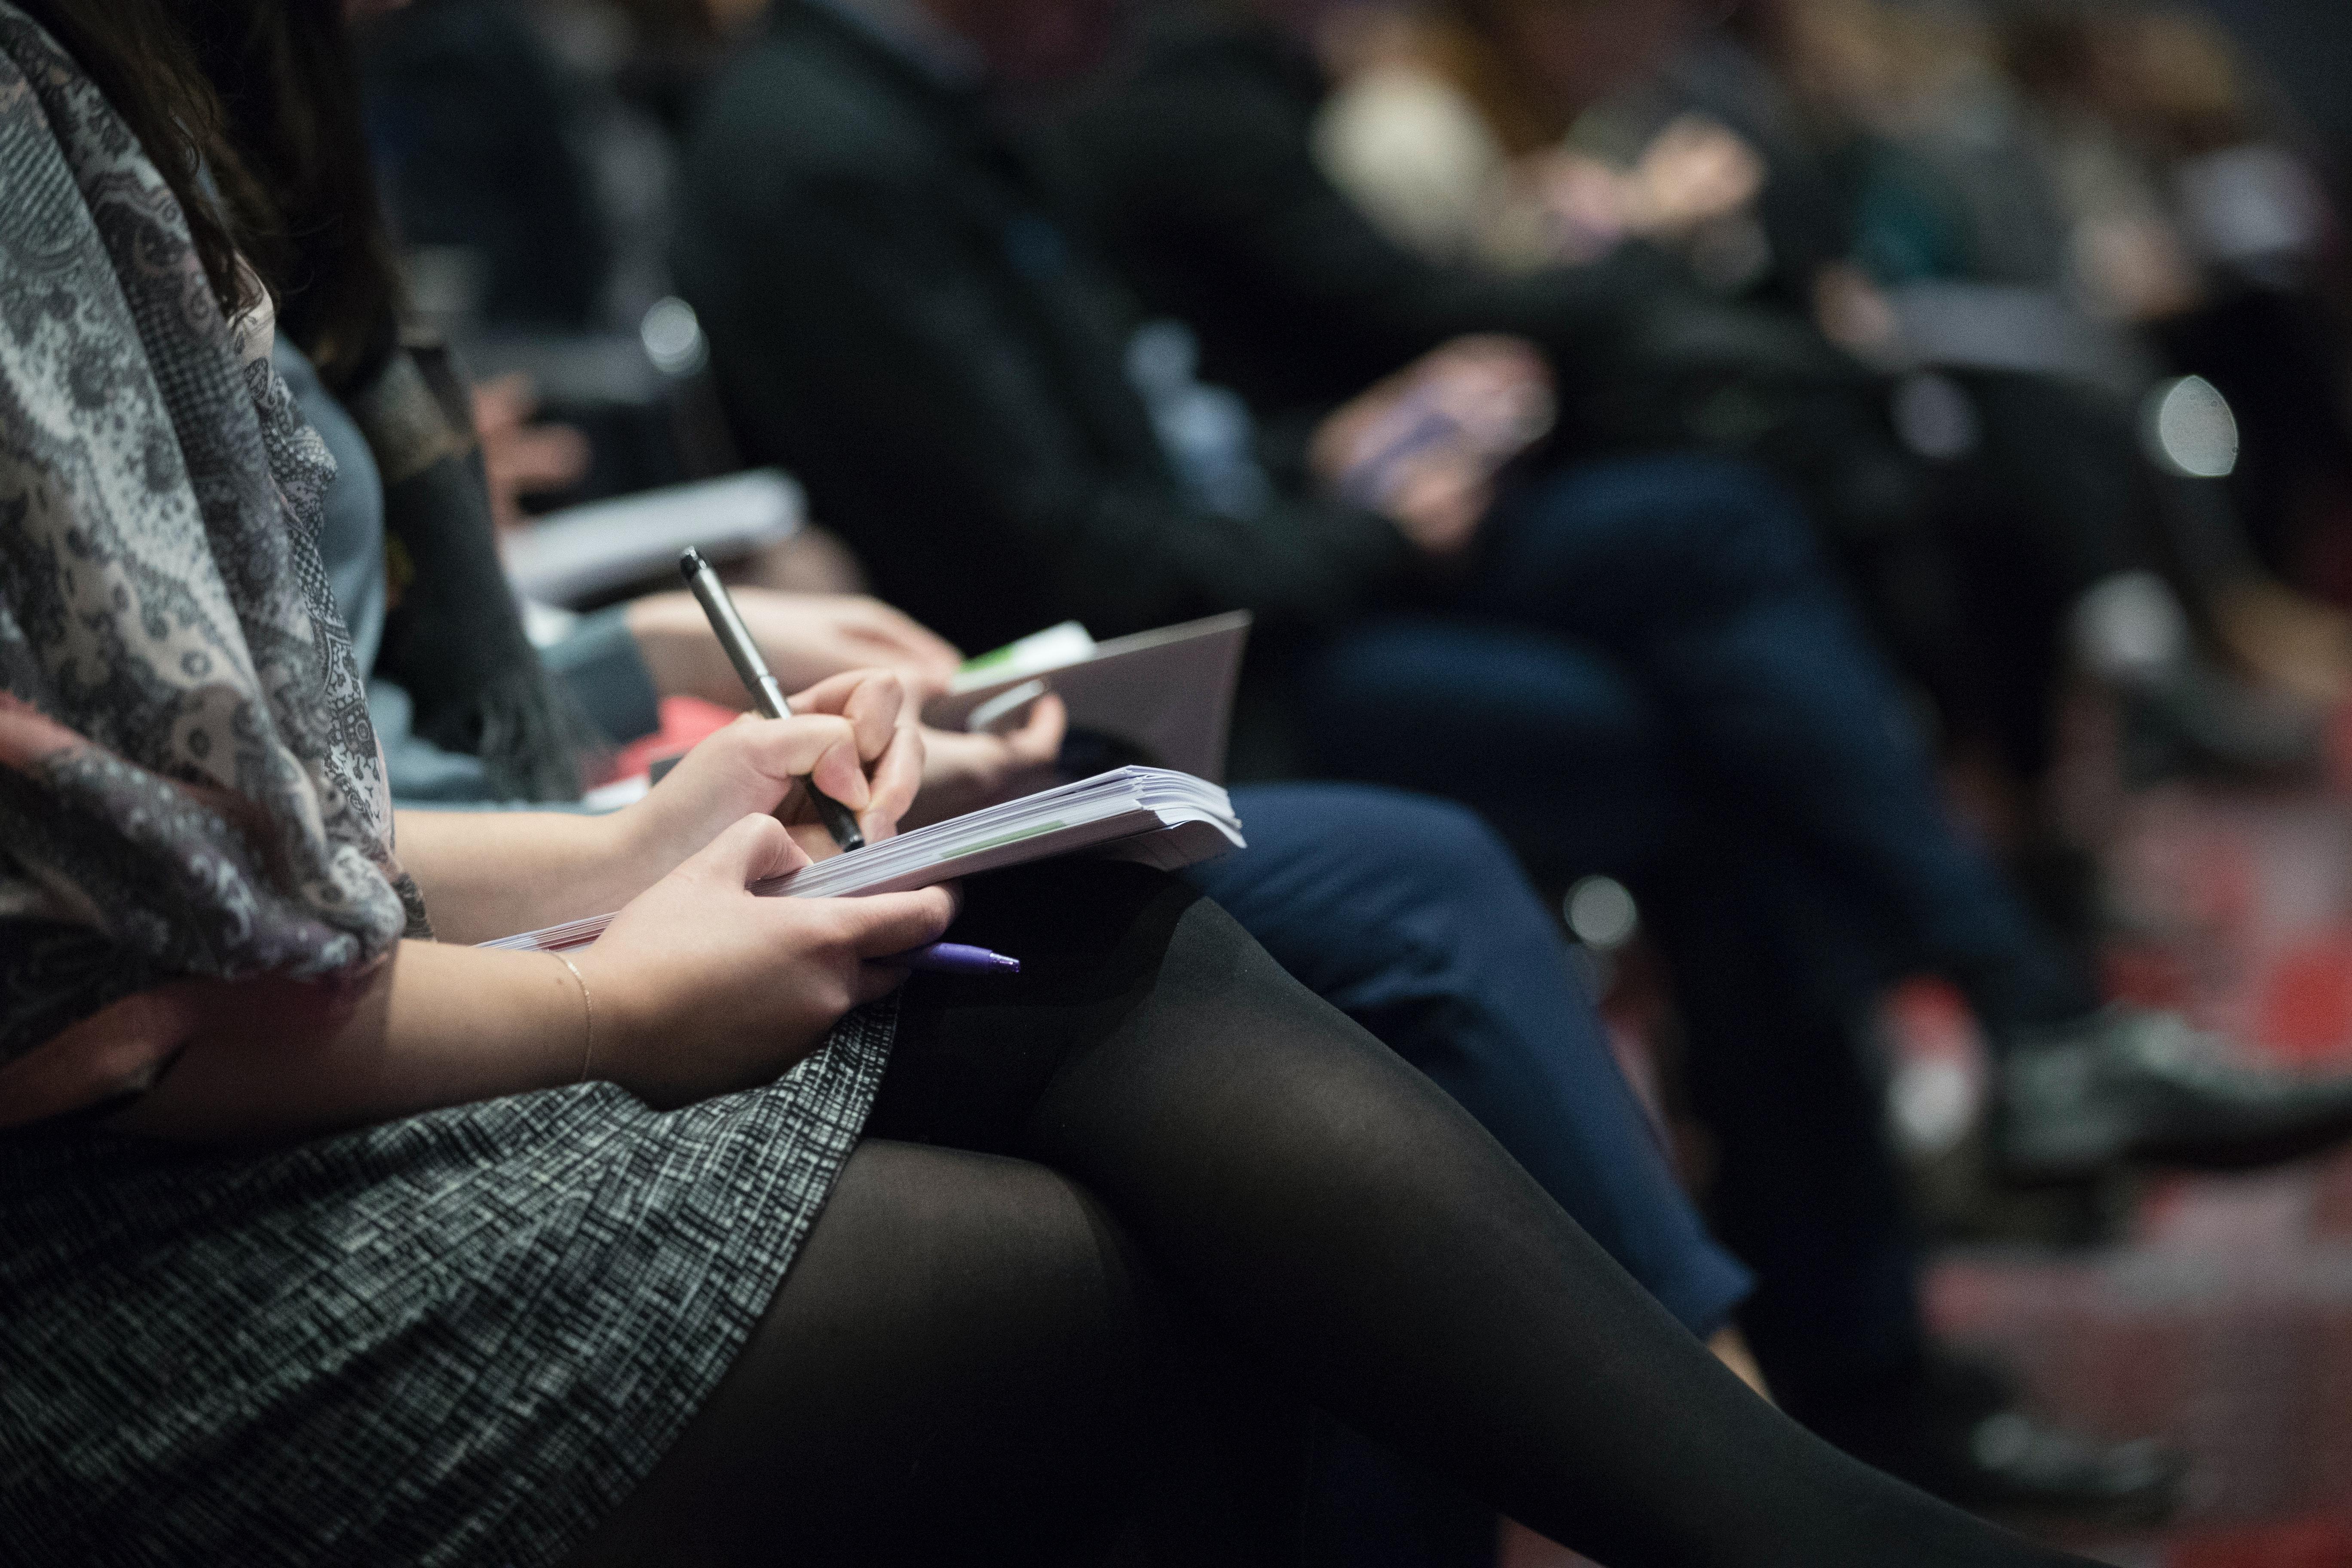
1149 815
582 551
1167 694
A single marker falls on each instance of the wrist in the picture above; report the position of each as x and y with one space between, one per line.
635 847
681 655
617 1021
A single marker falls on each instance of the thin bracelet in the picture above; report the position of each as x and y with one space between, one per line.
587 1015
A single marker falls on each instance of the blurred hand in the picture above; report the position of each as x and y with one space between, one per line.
520 458
809 560
2139 265
853 735
702 988
1582 204
965 772
1438 497
1424 445
805 637
1854 312
1692 173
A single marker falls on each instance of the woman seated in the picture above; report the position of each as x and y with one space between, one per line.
327 1241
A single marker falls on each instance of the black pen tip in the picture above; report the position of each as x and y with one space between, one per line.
690 563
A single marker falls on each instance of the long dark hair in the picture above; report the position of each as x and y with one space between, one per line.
258 100
283 73
136 53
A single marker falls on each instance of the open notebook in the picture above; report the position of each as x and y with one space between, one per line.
583 551
1151 815
1167 694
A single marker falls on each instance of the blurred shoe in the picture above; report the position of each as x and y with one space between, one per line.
1953 1429
2128 1084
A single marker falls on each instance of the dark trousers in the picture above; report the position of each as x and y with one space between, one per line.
1410 916
1651 672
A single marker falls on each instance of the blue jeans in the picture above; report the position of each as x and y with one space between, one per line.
1411 917
1656 636
1652 673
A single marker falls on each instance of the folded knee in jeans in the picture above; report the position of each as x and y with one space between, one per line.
1668 535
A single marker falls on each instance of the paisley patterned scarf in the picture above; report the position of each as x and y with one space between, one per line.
189 785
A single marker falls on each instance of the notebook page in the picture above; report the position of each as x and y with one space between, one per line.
1151 815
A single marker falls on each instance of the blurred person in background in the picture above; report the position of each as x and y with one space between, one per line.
522 145
494 169
1206 163
1923 204
2015 257
525 150
1610 661
1196 164
2195 210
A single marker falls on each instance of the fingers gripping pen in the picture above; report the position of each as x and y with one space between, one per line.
766 695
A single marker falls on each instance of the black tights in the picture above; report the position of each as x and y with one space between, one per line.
1115 1215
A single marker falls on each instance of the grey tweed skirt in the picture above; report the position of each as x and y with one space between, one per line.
457 1338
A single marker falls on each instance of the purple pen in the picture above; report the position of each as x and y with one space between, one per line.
956 958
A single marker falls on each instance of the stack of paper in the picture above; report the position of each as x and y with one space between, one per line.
1151 815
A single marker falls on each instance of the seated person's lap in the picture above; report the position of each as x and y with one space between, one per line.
1550 738
1616 548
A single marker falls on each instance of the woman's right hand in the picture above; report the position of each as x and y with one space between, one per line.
851 736
700 987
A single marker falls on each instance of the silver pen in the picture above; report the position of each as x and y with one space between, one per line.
766 695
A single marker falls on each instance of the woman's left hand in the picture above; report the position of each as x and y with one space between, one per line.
854 736
964 771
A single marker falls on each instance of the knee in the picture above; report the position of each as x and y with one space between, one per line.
1723 521
1742 518
1210 954
1007 1254
1373 828
1436 853
1360 885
